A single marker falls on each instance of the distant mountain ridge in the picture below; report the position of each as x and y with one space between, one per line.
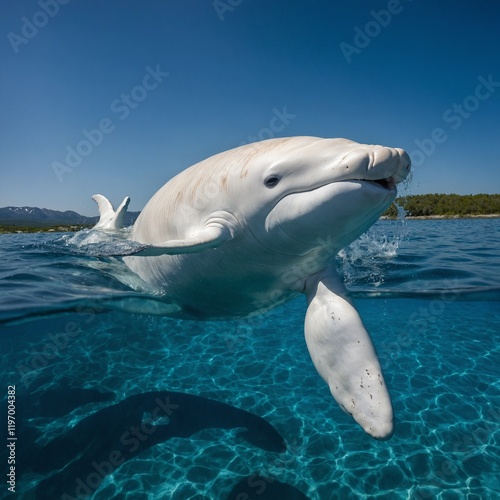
34 216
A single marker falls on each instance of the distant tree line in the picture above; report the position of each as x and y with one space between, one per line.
13 228
447 204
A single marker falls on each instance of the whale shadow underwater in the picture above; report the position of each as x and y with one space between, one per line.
77 461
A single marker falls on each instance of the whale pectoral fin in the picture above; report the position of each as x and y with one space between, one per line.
209 237
343 354
108 218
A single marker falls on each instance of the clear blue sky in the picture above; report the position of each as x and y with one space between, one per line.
237 70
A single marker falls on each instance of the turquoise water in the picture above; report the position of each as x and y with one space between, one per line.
116 405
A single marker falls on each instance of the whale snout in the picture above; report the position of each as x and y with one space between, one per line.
403 167
386 166
393 164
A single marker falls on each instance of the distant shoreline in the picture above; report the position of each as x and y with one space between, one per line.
6 229
446 217
59 228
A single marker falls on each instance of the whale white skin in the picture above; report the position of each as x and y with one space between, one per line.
222 243
109 218
344 355
227 191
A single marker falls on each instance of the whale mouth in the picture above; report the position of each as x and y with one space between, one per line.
388 183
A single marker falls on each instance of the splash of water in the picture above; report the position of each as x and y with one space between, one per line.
365 260
96 243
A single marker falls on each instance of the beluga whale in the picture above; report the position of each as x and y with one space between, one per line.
253 227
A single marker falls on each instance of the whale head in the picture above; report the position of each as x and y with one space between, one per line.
320 191
291 194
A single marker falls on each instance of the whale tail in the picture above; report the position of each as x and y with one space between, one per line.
108 217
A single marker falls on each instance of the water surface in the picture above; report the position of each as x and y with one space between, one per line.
118 405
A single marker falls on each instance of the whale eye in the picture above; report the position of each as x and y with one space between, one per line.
271 181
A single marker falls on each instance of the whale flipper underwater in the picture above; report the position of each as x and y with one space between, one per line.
253 227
